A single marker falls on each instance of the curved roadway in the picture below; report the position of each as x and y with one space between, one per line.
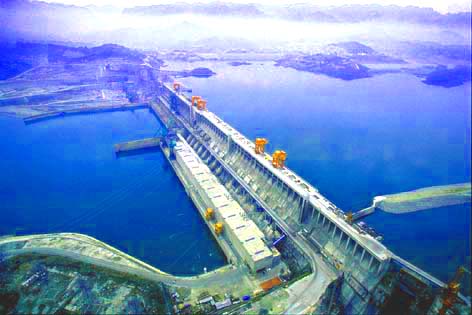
220 276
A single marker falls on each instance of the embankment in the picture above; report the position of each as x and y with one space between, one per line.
425 198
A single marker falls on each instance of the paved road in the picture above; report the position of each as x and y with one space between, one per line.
218 277
410 267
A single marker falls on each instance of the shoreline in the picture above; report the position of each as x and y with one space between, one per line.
95 251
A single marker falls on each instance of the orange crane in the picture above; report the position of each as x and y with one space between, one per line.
201 104
195 99
260 145
349 217
451 291
218 228
176 86
209 213
278 158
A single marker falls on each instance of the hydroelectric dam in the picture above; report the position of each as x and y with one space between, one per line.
266 218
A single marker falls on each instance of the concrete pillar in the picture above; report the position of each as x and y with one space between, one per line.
380 267
363 253
355 247
347 242
229 144
370 262
300 215
334 230
340 237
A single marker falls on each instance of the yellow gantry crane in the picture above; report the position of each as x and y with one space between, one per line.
278 158
195 99
176 86
451 291
201 104
260 145
209 213
350 217
218 228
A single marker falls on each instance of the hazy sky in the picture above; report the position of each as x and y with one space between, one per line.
439 5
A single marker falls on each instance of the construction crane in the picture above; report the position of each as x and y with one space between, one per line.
451 291
218 228
349 217
176 86
201 104
209 213
278 159
260 145
195 99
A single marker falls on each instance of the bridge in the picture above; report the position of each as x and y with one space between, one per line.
363 213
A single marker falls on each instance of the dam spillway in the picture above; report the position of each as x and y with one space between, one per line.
282 204
279 201
292 198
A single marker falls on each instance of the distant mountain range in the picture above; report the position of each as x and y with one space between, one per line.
24 20
62 53
217 8
373 12
308 12
21 56
432 52
41 7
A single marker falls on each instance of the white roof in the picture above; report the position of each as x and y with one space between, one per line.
234 217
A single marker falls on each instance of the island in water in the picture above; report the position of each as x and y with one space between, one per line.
239 63
330 65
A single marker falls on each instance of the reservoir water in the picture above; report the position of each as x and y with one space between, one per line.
62 175
354 140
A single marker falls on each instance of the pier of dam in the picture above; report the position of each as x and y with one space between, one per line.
81 111
148 143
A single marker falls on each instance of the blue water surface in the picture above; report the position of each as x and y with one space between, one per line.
62 175
354 140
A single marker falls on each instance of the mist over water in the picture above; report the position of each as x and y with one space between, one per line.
98 25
